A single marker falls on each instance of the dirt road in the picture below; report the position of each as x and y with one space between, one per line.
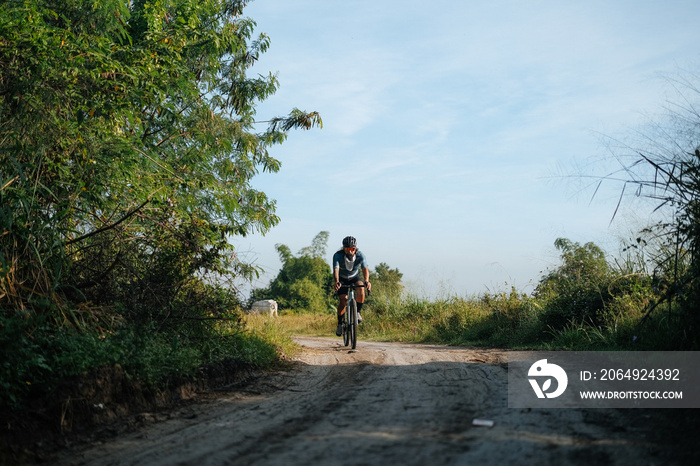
386 404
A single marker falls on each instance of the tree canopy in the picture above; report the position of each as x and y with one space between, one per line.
304 281
387 279
128 142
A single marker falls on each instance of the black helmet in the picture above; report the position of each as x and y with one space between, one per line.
349 242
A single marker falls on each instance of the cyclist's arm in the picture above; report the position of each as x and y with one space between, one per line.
336 272
365 273
336 277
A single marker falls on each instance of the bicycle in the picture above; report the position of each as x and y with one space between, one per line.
350 319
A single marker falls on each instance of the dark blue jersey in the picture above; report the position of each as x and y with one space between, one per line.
349 266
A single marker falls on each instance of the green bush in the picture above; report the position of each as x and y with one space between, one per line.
37 355
577 290
23 363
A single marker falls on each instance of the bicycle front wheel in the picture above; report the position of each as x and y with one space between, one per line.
353 323
346 327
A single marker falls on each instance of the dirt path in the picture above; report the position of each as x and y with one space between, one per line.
387 403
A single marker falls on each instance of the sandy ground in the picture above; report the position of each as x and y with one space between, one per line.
390 403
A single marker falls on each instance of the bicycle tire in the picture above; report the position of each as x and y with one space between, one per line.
346 329
353 323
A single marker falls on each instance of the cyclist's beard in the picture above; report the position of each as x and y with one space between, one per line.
350 256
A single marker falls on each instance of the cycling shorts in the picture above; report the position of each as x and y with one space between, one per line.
345 281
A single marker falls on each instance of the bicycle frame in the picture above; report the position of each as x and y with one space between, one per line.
350 319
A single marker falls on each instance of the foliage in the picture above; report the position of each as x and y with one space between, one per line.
577 289
36 362
304 281
128 145
274 335
386 284
122 122
663 165
584 304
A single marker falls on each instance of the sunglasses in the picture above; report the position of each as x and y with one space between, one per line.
350 249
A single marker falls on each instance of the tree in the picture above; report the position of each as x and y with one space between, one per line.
577 290
304 281
318 246
127 148
387 279
579 263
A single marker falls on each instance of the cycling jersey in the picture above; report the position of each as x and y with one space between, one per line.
349 267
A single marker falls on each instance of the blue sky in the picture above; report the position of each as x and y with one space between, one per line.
450 128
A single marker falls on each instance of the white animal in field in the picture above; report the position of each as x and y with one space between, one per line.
264 307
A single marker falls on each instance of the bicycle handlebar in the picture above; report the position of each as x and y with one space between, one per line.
364 285
353 285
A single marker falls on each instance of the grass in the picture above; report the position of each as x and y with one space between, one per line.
277 332
504 320
37 360
314 325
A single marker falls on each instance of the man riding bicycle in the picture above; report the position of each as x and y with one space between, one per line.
347 263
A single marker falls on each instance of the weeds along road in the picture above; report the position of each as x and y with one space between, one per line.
387 403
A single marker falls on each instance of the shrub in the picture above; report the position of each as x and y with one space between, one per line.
577 289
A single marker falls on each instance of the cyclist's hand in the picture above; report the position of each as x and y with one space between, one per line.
369 287
336 286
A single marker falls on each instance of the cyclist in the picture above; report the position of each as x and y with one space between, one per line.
347 263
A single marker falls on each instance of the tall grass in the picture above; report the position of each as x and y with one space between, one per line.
509 319
586 303
505 319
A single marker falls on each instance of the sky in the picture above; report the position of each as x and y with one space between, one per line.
454 131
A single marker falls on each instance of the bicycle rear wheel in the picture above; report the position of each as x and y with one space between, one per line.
353 323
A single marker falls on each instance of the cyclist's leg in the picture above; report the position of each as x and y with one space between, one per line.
360 299
342 303
342 297
360 292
